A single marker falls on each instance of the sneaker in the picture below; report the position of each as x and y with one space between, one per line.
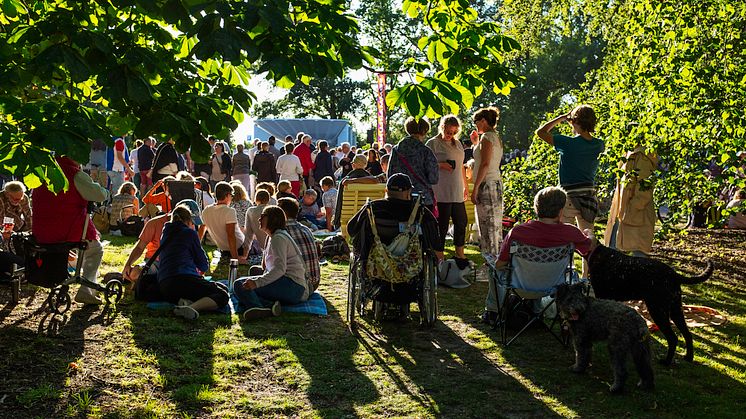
257 313
276 309
186 312
262 312
184 302
86 296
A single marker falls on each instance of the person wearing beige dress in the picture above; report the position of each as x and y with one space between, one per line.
632 215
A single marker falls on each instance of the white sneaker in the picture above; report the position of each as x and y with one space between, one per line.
184 302
276 309
86 295
186 312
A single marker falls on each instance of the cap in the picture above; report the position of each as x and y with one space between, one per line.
399 182
195 210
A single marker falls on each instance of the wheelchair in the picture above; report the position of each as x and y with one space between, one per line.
385 296
46 265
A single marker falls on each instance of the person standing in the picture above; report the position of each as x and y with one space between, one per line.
241 167
632 216
577 166
374 165
487 195
59 218
118 157
272 149
452 188
145 156
165 162
289 168
303 151
220 165
323 164
264 165
415 160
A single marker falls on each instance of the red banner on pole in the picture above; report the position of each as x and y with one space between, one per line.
381 105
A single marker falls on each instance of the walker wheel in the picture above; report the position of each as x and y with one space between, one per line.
113 291
59 300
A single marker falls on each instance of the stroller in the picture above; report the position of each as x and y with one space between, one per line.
46 265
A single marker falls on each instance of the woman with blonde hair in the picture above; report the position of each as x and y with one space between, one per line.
452 188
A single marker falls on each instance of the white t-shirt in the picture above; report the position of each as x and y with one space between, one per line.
493 170
215 218
289 167
117 166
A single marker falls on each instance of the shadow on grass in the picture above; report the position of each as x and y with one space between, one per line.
184 354
446 375
317 356
38 364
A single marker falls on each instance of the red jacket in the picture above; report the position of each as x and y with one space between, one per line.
59 218
303 151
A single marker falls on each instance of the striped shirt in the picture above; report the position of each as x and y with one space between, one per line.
307 244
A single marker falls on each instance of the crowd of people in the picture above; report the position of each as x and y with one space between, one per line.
263 201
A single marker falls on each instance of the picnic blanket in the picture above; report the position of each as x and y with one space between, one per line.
314 305
696 316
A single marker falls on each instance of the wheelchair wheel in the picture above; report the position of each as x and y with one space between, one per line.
354 297
428 303
59 300
113 291
379 311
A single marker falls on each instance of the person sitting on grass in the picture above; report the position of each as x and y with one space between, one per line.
284 190
309 210
256 238
329 200
181 264
283 274
123 205
304 239
270 188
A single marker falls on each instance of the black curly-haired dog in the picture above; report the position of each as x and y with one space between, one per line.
617 276
592 320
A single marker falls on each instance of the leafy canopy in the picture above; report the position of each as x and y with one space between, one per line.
71 72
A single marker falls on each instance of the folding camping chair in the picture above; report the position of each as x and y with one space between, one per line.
180 190
532 274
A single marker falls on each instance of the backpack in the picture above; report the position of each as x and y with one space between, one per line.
101 219
334 246
132 226
401 260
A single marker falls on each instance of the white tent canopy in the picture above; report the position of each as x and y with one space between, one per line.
334 131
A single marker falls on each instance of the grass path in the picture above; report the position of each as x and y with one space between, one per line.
135 362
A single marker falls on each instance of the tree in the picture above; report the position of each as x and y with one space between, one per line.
677 69
177 68
322 98
74 72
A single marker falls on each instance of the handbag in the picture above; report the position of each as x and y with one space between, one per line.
419 179
401 260
146 287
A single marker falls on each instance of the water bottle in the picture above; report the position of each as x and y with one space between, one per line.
232 273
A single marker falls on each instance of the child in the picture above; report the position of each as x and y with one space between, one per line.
270 188
329 199
253 229
309 210
284 190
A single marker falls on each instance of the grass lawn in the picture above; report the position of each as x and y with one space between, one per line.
134 362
